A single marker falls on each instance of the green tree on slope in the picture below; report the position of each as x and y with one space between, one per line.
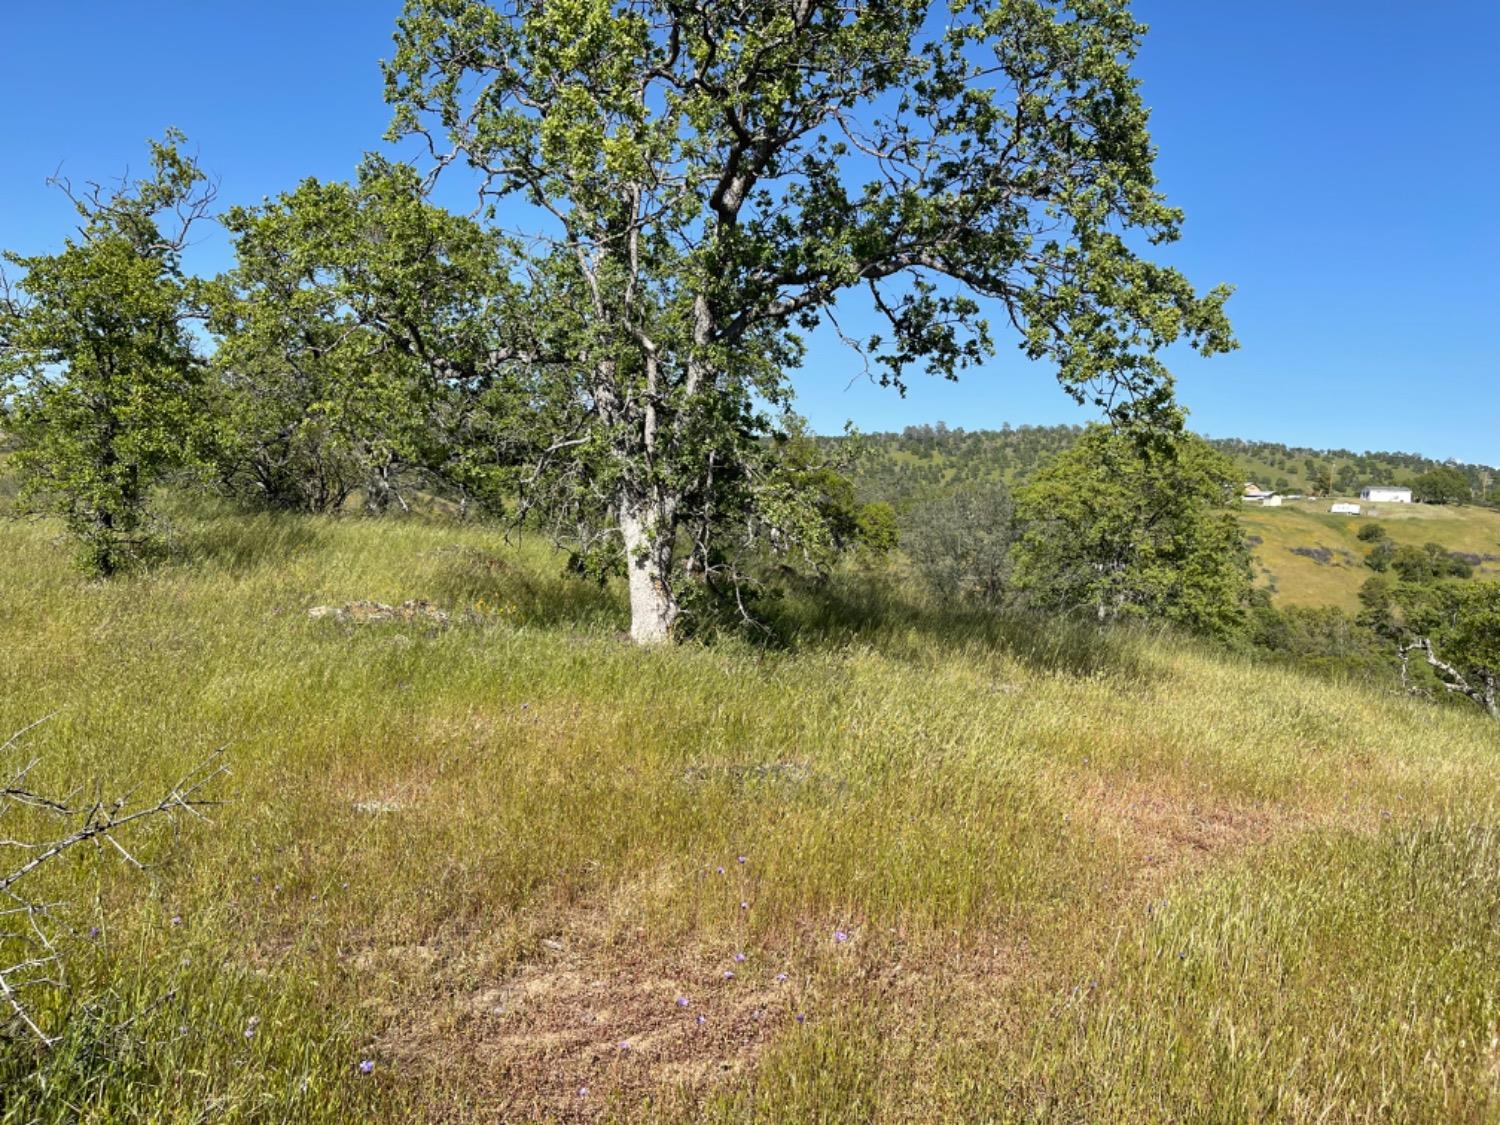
1123 530
1455 626
97 364
1444 485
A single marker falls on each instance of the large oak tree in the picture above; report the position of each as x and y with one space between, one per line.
691 183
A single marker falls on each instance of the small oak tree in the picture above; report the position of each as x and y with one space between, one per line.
97 364
1121 529
692 184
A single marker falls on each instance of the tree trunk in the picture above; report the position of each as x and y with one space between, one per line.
378 489
648 535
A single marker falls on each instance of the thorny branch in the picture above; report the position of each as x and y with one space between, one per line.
26 929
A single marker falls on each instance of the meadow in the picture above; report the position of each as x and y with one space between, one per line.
898 864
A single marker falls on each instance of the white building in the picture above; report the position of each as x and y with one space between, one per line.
1345 509
1385 494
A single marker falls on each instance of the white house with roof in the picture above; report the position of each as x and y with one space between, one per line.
1385 494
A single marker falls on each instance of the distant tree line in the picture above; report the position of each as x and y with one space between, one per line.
931 457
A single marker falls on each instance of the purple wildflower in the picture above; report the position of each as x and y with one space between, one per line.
367 1066
739 956
702 1019
780 978
840 937
683 1001
583 1091
625 1044
720 870
744 906
177 919
728 974
93 931
250 1026
739 859
801 1018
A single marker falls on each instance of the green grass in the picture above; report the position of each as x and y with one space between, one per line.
986 809
1304 581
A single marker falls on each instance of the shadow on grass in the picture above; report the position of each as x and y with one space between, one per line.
877 613
521 590
237 542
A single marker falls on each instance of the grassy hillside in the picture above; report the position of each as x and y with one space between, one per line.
958 869
1308 556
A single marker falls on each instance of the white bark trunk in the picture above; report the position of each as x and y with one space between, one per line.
648 560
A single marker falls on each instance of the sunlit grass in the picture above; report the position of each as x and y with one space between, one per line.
983 808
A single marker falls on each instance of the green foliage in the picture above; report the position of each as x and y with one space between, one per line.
1372 533
1321 639
98 370
960 543
1458 627
1444 485
1427 563
1381 555
353 330
877 528
689 172
1121 530
1320 480
803 506
1377 602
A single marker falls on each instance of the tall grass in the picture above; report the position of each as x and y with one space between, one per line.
482 856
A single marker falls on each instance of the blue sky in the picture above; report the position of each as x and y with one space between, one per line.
1338 161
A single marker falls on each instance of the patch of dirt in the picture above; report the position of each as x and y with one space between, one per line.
583 1027
1172 831
368 612
589 1026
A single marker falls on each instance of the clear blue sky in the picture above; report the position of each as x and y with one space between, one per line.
1339 162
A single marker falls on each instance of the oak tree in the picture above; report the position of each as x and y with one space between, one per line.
98 365
691 185
1120 529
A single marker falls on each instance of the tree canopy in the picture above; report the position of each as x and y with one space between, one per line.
1120 530
1443 485
699 183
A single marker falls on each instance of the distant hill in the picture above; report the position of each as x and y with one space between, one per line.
1306 556
930 459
